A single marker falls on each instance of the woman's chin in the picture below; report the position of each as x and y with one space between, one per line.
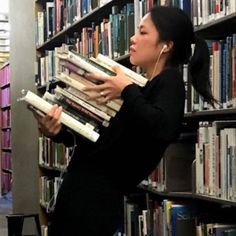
132 61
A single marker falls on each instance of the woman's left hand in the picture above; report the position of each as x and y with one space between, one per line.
111 87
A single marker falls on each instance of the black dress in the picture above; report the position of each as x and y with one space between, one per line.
90 200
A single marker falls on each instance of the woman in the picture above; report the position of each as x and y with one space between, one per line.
90 199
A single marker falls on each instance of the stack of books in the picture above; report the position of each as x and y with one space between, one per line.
80 114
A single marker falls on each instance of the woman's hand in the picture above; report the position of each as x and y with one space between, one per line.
111 87
50 124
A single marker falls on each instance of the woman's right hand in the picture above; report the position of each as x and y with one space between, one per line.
50 124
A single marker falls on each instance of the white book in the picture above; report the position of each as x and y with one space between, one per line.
202 139
81 62
67 120
41 162
223 167
137 78
145 220
140 225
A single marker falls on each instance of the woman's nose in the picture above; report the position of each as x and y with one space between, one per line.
132 39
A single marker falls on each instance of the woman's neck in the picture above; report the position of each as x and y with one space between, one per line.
155 70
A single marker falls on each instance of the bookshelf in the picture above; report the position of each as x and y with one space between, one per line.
218 29
23 77
5 124
4 38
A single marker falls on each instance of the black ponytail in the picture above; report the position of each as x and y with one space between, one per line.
199 67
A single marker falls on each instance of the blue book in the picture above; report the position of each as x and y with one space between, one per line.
182 220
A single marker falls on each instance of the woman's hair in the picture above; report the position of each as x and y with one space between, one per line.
173 24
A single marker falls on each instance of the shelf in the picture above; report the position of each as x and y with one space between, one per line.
219 28
56 169
4 64
6 149
167 194
214 199
6 107
9 171
211 114
188 195
5 85
6 128
94 16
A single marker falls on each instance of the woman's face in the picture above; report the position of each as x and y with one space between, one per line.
144 49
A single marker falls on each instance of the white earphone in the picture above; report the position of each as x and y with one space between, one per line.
163 48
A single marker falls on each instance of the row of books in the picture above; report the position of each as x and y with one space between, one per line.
4 41
223 70
48 191
205 11
54 155
82 115
59 15
222 76
216 159
172 218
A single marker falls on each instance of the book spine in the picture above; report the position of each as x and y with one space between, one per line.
44 106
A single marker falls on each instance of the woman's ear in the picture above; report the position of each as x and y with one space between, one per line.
167 46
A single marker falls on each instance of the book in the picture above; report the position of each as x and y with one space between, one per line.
182 219
93 109
80 86
75 111
44 106
81 62
137 78
84 97
100 64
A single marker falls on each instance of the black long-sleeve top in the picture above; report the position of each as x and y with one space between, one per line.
133 144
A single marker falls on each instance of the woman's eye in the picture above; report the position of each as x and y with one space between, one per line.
142 32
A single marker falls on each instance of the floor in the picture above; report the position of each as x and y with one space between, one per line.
5 208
